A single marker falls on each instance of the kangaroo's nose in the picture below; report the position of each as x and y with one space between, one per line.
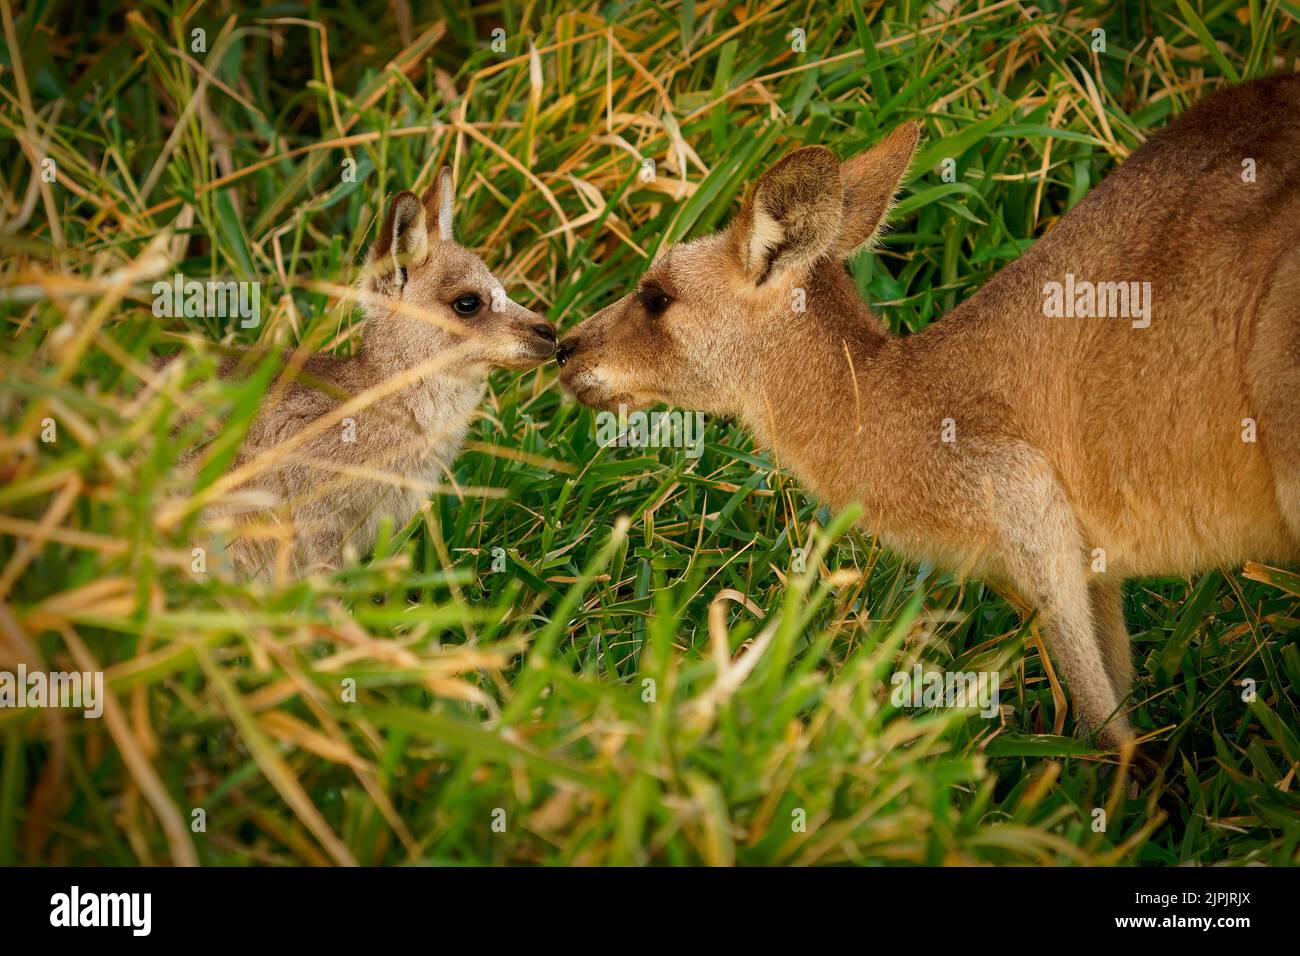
564 351
546 331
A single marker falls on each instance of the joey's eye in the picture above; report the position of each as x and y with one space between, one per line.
467 304
655 301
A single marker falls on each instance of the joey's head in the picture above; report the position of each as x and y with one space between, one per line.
711 315
428 294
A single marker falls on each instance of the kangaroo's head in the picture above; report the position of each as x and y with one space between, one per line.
710 314
427 294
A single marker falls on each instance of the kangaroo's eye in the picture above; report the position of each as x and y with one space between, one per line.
655 301
467 304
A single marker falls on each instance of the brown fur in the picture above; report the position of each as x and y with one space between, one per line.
328 495
1072 434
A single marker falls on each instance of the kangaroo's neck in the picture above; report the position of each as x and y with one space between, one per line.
399 342
824 396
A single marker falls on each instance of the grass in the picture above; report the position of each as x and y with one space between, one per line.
586 704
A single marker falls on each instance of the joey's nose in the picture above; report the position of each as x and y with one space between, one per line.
546 331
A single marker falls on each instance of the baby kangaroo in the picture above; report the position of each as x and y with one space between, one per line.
1054 447
437 321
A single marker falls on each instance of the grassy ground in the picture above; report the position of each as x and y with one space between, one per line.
581 705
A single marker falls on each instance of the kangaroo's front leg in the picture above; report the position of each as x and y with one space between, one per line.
1043 556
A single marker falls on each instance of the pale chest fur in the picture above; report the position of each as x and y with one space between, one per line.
424 455
382 464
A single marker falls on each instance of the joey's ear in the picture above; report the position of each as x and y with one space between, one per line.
403 240
440 203
792 217
870 181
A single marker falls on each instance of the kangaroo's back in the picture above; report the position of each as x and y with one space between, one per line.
1173 424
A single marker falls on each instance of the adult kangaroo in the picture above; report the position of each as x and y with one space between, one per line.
1123 400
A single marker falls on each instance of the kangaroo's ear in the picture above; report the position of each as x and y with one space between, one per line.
792 218
403 240
440 203
870 181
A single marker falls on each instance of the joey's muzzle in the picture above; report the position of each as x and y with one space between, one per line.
537 337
